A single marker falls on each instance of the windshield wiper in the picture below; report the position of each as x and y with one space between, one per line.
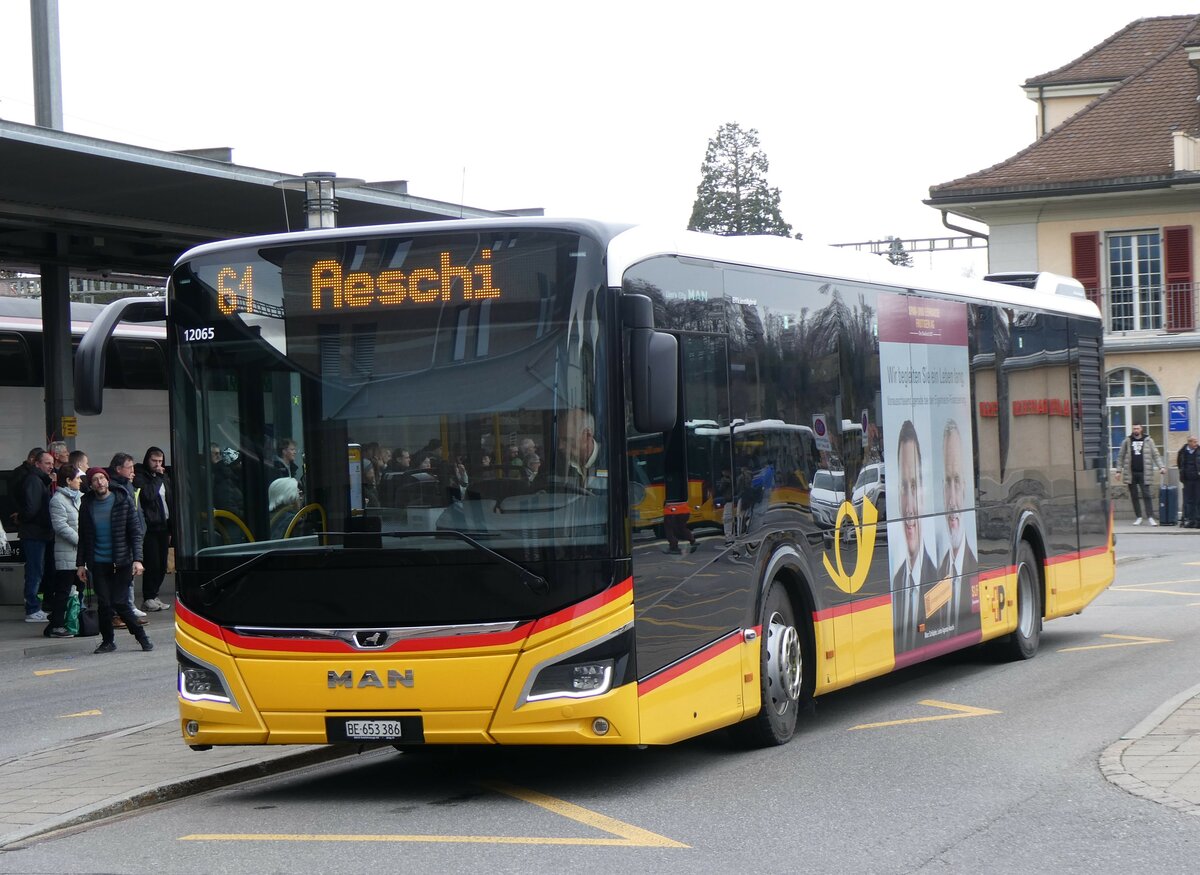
223 581
226 579
535 582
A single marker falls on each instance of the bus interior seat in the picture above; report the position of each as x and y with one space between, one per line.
497 490
411 488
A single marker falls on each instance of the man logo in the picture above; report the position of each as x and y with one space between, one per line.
376 638
370 678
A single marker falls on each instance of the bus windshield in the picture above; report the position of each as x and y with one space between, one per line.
393 389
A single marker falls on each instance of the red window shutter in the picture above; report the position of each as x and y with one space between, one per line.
1085 263
1177 279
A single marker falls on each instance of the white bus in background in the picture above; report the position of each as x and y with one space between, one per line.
135 403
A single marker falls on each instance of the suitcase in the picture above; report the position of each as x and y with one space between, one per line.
1168 505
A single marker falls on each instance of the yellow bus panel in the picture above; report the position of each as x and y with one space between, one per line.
697 694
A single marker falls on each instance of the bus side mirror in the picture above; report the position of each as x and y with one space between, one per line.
89 358
654 379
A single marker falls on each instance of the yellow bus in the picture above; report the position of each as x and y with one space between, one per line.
454 601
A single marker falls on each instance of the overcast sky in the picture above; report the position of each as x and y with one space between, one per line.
592 109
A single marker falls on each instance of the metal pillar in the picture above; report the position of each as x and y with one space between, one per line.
56 348
47 64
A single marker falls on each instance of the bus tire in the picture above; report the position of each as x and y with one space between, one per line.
1023 642
783 671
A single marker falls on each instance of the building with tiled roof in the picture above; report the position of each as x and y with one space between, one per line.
1109 193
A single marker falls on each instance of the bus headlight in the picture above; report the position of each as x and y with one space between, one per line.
572 680
588 671
199 682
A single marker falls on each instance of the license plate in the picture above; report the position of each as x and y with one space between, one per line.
381 729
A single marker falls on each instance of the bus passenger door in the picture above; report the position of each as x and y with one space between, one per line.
688 601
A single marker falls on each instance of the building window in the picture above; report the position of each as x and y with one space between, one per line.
1135 301
1134 398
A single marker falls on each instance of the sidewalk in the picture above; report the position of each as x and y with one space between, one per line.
143 765
1159 759
94 778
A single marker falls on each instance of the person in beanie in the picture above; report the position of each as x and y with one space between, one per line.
110 554
1188 462
1137 460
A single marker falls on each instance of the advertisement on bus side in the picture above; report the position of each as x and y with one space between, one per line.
932 545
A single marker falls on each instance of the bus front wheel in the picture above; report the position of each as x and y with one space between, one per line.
782 671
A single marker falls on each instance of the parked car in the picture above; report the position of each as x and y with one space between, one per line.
828 492
870 484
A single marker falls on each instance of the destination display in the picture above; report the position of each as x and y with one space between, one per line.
334 288
389 274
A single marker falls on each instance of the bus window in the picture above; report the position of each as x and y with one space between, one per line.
16 362
142 364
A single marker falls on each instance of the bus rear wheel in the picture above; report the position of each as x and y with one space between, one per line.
782 671
1022 643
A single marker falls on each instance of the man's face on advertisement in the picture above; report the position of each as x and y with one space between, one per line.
954 488
910 497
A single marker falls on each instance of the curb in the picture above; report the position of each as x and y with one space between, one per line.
1114 770
1112 765
178 788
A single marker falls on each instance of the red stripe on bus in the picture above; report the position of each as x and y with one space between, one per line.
417 645
1078 554
208 627
584 607
852 607
696 660
929 651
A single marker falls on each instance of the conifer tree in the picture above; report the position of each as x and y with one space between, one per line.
733 197
897 254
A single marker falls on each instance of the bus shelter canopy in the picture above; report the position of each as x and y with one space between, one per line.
95 206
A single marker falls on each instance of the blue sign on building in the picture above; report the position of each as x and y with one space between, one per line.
1177 416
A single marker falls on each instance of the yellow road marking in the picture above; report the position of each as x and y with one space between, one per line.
960 711
96 712
49 671
1126 641
628 835
634 836
1157 583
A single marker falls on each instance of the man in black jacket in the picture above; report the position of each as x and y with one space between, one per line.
1188 462
37 537
110 554
120 479
153 491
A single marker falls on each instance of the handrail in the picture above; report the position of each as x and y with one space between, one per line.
219 514
302 512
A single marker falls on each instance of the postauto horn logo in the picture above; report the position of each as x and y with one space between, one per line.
852 583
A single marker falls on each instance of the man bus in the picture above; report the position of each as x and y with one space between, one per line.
461 605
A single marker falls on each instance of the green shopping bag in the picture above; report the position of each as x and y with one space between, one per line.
72 621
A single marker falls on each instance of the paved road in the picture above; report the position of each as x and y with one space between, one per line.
139 765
